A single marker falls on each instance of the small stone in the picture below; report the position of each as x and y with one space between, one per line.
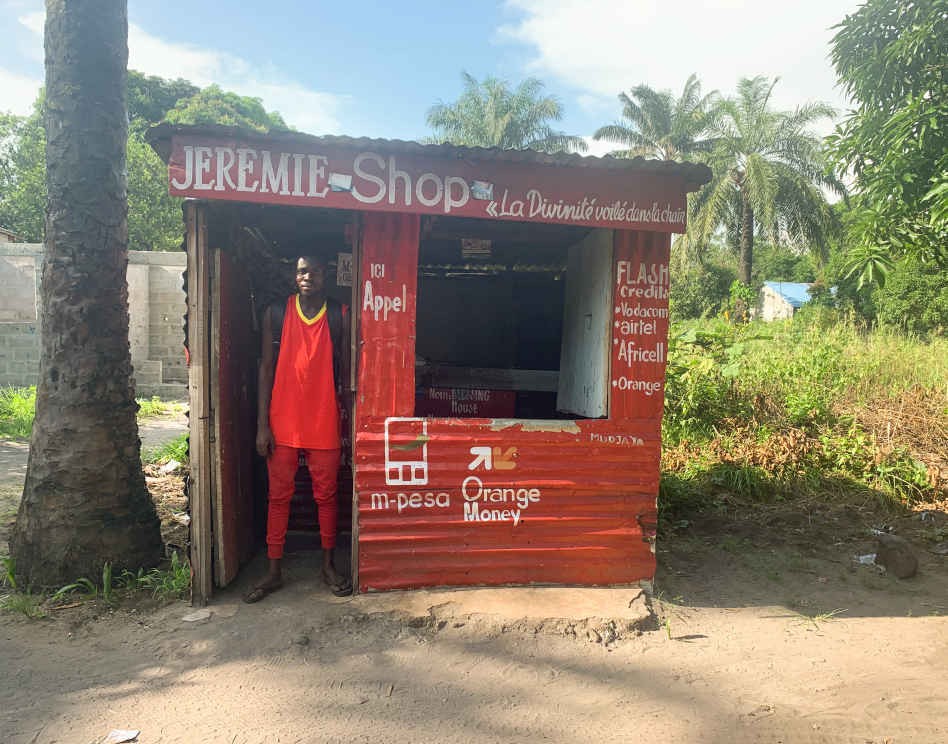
442 624
940 549
896 556
593 636
197 616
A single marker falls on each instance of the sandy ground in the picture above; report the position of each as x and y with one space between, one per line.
722 651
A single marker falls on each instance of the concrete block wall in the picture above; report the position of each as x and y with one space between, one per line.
156 310
21 341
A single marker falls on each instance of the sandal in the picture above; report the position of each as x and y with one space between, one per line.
256 593
341 590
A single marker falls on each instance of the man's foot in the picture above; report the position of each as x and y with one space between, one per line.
339 585
272 582
255 594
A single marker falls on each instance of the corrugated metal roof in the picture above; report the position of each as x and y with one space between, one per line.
696 174
793 292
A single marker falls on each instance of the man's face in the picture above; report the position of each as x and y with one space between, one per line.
310 276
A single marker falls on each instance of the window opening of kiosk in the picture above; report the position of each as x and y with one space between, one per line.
512 320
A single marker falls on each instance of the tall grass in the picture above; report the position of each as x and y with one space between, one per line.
780 410
18 406
173 449
16 411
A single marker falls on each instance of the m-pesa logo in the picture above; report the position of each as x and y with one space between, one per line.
406 464
406 452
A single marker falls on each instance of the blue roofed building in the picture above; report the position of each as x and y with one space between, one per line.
781 300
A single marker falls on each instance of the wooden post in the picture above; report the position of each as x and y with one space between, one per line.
199 391
355 309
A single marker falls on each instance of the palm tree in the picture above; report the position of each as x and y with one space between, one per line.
770 177
85 501
655 125
492 114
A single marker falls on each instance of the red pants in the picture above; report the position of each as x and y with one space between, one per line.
281 467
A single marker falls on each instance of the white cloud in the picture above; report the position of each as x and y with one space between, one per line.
19 92
599 148
34 21
309 110
601 47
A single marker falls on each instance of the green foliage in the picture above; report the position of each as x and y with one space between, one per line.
150 97
753 412
17 406
768 168
493 114
9 571
171 583
25 603
656 125
701 291
91 590
174 449
778 263
914 298
154 217
131 582
155 406
23 172
212 105
891 58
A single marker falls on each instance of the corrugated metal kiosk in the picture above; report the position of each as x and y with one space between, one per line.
510 330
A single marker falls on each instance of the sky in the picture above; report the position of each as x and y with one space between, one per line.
374 68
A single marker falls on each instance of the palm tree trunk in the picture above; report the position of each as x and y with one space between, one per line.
746 260
85 501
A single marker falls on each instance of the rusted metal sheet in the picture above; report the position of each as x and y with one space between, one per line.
640 328
387 314
695 174
317 175
496 501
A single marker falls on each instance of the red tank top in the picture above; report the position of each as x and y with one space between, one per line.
304 411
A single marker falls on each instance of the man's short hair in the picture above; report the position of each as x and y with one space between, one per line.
313 258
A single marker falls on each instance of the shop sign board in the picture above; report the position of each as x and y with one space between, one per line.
209 167
461 403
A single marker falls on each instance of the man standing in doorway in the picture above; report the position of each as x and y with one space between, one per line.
304 359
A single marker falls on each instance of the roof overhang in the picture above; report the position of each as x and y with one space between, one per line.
291 168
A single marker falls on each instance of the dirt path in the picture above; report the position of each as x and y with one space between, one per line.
740 665
727 655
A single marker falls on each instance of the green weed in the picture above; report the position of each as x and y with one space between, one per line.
91 590
155 406
130 582
31 607
170 583
815 619
174 449
17 406
732 544
9 571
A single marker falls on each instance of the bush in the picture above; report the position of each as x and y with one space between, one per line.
16 411
915 298
700 292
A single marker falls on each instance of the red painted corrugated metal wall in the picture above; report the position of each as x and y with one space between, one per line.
479 501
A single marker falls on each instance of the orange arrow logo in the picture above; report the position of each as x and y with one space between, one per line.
505 461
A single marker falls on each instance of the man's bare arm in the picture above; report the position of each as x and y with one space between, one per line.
265 443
